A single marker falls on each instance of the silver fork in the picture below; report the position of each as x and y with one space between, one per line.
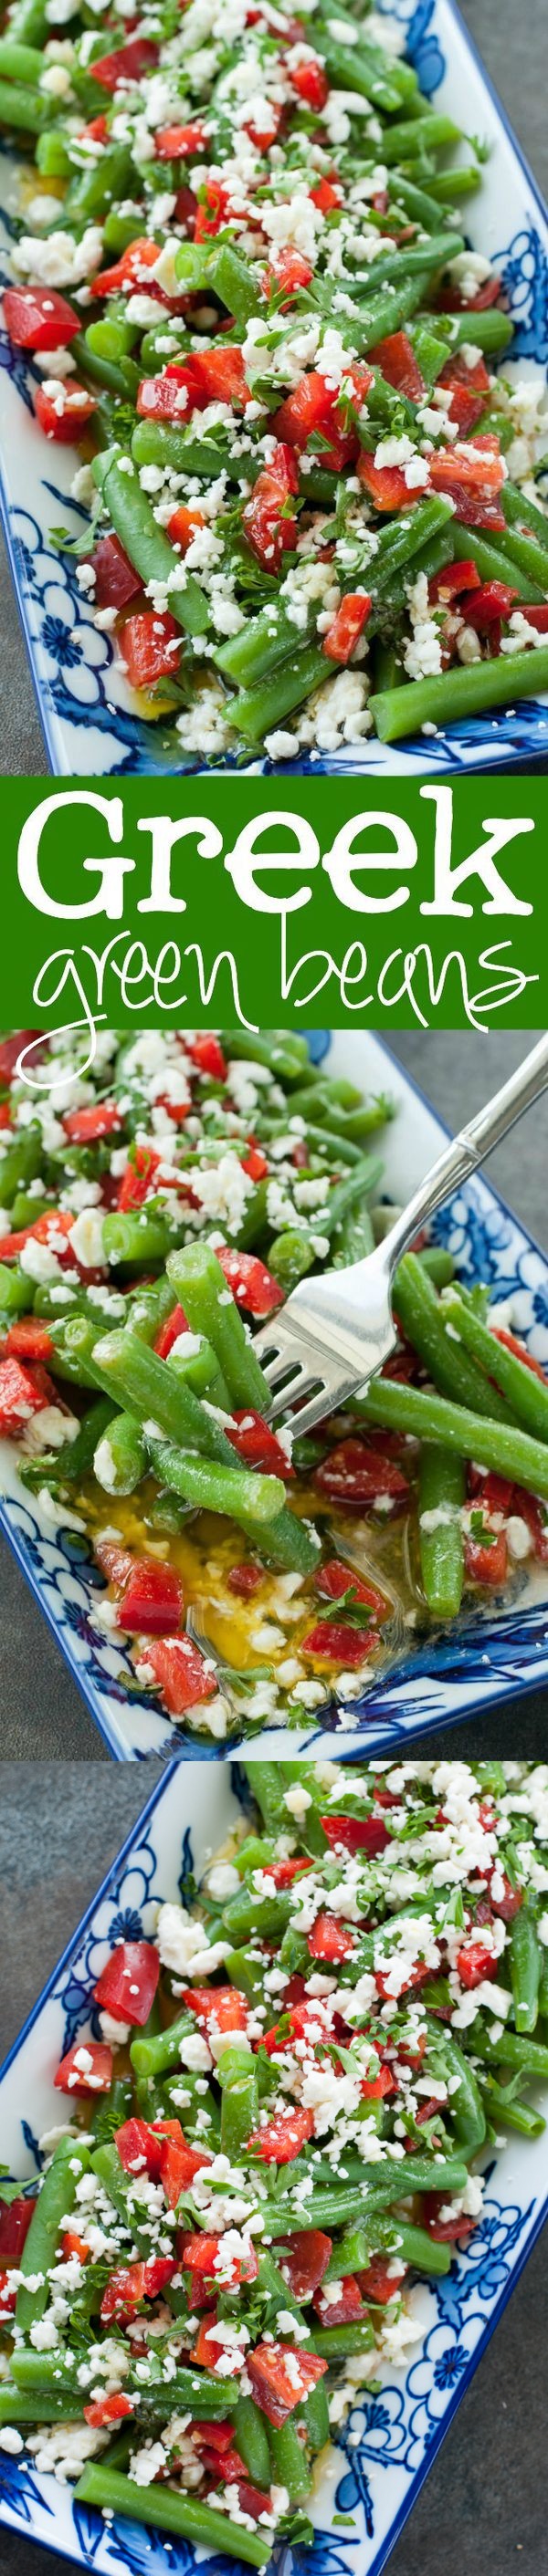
336 1330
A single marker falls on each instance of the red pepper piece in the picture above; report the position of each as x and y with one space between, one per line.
355 1473
87 2068
151 648
474 1962
254 1441
85 1126
184 1676
330 1939
376 2283
127 1984
356 1833
304 2258
347 625
108 2410
64 416
128 63
396 358
15 2218
343 2310
37 318
20 1397
282 2138
129 2285
252 1284
244 1579
282 2379
116 581
339 1643
153 1601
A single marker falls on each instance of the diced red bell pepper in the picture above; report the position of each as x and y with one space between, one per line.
179 142
327 194
339 1643
115 1562
116 581
304 2258
175 1324
151 647
281 2379
16 1044
497 1492
255 1163
537 617
138 1178
310 81
467 390
452 300
448 584
285 280
128 63
96 131
211 2437
330 1940
334 1579
127 1984
509 1903
474 1962
37 317
20 1397
355 1473
347 625
283 1872
223 2005
356 1833
213 209
108 2410
252 1284
445 2231
207 2350
184 1676
85 1126
244 1579
377 2283
494 599
5 1115
386 484
282 2138
87 2068
139 2147
376 2088
129 2285
206 1053
153 1601
75 2245
183 526
15 2218
536 1516
511 1342
472 486
179 2164
343 2310
63 416
415 1977
206 2256
270 525
396 358
256 1444
315 407
132 269
251 2499
28 1339
488 1565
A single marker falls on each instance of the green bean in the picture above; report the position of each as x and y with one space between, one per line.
525 2056
519 510
145 542
491 331
423 1322
525 1393
417 2248
155 2053
133 1237
20 1163
111 2110
416 256
288 2465
525 1962
19 2406
335 2205
93 190
464 181
333 2343
439 1265
267 1788
27 22
492 564
239 2111
530 557
451 696
153 443
427 1417
389 312
466 2110
406 142
210 1308
161 1397
251 2439
25 108
441 1497
16 1292
366 68
120 1462
253 1501
160 2505
74 1460
20 62
500 2105
55 2199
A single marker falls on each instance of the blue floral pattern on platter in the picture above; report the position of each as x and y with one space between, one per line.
488 1656
87 715
388 2442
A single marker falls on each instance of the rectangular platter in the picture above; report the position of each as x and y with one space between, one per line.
86 711
489 1657
390 2439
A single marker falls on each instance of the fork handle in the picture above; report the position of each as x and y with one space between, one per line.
464 1152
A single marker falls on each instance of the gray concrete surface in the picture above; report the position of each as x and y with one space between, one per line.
42 1713
486 2500
513 42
